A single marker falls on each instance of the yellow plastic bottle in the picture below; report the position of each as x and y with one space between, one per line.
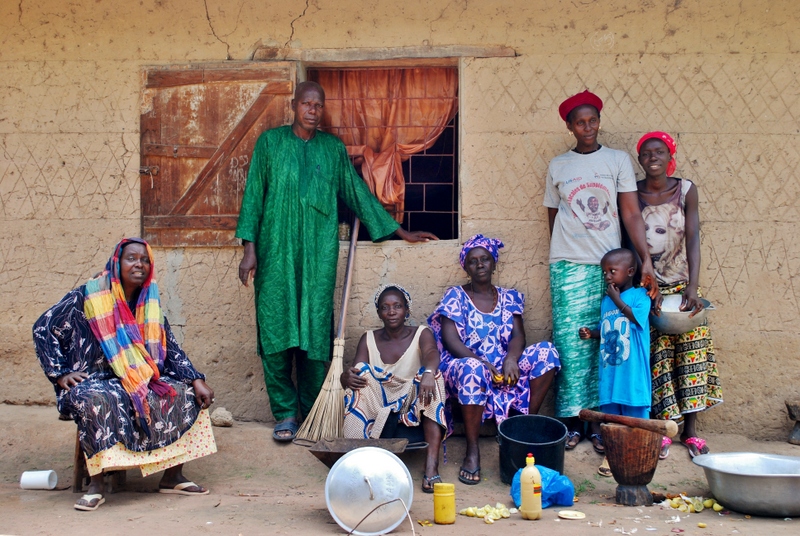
531 488
444 503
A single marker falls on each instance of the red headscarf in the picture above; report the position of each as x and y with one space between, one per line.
667 139
586 97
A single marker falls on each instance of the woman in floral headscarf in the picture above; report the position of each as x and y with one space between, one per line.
684 367
487 367
119 373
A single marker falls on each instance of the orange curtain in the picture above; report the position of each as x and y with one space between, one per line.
384 116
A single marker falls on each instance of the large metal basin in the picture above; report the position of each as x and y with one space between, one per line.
753 483
676 322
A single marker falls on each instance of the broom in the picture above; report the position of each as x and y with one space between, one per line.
326 415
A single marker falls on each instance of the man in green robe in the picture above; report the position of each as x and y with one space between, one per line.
289 226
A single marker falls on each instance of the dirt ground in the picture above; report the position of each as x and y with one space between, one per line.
259 487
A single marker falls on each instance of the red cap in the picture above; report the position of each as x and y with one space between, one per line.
587 97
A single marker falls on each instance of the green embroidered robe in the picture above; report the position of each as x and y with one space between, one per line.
289 211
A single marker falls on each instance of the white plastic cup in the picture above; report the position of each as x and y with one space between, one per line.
38 480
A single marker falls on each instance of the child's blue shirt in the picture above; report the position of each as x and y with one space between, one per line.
625 351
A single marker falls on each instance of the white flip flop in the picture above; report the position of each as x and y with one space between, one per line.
180 489
89 497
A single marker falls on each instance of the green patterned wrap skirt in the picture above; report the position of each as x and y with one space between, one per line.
576 291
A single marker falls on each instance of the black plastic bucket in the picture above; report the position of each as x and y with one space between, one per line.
544 437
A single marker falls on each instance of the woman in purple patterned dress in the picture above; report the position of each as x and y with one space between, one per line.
485 362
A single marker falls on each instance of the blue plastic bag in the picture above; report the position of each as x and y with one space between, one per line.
557 489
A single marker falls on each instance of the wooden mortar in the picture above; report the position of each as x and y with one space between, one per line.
632 456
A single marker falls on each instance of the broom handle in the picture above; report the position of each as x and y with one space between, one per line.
351 257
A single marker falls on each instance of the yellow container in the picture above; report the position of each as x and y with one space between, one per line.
444 504
531 490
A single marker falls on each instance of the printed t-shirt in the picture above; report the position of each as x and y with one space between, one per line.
625 351
584 188
665 228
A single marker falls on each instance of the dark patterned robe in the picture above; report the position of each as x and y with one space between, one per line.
99 405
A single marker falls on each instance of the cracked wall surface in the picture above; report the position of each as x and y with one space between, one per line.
723 76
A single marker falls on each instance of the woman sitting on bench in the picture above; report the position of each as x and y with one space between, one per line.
395 381
119 373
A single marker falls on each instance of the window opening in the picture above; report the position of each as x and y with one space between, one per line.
430 176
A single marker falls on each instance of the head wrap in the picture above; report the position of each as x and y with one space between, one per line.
394 286
668 140
134 343
587 97
492 245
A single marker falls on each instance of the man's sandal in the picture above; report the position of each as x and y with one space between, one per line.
88 498
286 425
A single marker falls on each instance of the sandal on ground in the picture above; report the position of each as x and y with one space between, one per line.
665 443
88 498
698 444
286 425
183 489
471 480
428 482
604 469
573 438
597 443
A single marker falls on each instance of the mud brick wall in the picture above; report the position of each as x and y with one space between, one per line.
722 76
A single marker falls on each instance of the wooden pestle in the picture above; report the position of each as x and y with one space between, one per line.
668 428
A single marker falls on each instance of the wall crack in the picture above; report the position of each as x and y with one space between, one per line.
291 35
214 32
444 10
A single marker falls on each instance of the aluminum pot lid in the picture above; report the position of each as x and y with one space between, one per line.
360 481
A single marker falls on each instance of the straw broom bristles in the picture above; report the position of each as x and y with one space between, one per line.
325 418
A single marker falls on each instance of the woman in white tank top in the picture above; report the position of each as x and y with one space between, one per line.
395 375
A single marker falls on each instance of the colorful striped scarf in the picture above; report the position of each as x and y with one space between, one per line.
134 358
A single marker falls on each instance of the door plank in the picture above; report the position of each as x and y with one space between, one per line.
217 159
199 127
173 78
178 151
192 221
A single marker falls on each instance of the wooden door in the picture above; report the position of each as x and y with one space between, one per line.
198 129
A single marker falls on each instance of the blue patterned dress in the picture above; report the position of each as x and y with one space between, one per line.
99 405
487 335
